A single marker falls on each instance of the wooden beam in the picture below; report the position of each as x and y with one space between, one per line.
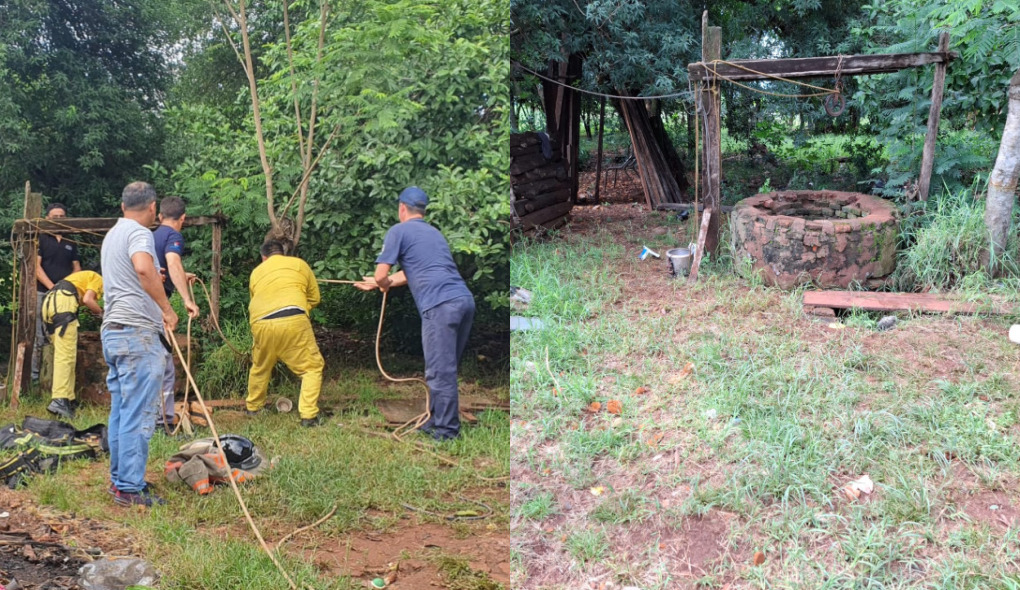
543 216
922 302
72 225
711 112
688 207
25 328
814 67
934 114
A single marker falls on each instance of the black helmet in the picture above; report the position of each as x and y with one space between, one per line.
240 451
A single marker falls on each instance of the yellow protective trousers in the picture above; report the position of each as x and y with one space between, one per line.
291 340
65 341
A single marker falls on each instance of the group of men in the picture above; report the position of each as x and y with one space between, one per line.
140 271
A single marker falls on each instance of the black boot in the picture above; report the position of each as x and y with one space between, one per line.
313 422
61 407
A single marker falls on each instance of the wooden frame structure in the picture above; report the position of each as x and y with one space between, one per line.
710 73
31 225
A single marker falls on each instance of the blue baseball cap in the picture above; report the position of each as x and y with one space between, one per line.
415 197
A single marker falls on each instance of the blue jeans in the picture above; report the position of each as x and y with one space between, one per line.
444 333
136 359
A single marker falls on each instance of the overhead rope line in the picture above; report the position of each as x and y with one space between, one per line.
593 93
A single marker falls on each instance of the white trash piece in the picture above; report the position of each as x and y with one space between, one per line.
1014 333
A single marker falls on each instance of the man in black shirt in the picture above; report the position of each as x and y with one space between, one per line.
57 259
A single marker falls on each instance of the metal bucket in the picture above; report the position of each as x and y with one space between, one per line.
679 261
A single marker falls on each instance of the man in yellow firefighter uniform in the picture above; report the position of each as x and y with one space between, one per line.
283 290
60 321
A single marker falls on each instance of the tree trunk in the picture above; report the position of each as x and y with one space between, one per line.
657 178
1003 181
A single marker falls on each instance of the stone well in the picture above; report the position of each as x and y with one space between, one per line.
829 238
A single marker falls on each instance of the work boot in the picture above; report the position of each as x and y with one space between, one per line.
143 498
313 422
61 407
112 490
252 413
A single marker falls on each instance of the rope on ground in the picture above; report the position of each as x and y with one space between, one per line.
233 484
460 514
296 532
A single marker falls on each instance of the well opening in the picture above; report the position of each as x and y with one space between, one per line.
830 238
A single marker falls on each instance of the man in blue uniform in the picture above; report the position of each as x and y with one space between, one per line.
446 306
170 251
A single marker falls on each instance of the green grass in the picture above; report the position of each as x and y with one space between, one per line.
927 410
203 542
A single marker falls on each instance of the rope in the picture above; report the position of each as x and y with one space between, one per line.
583 91
420 420
822 91
215 319
305 528
233 484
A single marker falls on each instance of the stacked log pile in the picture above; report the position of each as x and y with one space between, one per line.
541 194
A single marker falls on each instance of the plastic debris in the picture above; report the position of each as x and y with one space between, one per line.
520 298
646 252
115 574
861 485
520 324
887 323
711 414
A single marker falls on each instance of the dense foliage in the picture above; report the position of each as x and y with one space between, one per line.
416 91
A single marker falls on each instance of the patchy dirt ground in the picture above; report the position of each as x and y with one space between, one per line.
42 548
416 549
676 529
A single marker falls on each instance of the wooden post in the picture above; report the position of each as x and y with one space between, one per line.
214 280
25 329
711 104
598 160
19 366
706 222
934 114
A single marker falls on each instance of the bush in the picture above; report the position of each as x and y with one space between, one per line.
947 240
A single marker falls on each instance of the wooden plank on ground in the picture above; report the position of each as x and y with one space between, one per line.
815 67
923 302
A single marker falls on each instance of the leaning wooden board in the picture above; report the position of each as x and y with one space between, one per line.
923 302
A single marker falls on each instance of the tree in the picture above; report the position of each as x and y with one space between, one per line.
81 84
974 109
1003 181
420 93
643 48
